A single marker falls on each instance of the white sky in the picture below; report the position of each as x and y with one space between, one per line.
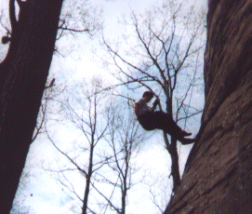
43 194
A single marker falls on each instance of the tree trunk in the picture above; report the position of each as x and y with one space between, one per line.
172 150
125 176
88 178
175 164
23 75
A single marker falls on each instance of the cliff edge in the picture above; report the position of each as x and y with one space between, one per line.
218 173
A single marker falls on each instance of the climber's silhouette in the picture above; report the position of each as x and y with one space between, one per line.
150 119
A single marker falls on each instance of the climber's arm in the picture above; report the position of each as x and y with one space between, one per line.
157 101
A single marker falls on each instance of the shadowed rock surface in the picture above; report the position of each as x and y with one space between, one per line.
218 173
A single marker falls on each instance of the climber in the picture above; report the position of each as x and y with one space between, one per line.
150 119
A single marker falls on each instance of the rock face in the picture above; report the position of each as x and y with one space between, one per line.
218 173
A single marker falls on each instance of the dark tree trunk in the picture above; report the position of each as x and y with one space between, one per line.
175 164
172 150
22 78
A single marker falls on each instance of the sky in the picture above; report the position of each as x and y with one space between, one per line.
42 193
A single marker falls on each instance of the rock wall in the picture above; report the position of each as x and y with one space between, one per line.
218 173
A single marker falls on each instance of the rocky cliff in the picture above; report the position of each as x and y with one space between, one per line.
218 173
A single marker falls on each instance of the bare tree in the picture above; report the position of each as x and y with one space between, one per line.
123 139
163 56
84 114
106 140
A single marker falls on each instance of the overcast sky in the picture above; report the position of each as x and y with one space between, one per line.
42 194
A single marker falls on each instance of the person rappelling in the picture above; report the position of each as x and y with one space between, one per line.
150 119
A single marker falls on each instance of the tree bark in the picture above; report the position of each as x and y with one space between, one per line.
23 76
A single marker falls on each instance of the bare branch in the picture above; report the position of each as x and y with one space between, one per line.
106 198
65 155
154 60
73 30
